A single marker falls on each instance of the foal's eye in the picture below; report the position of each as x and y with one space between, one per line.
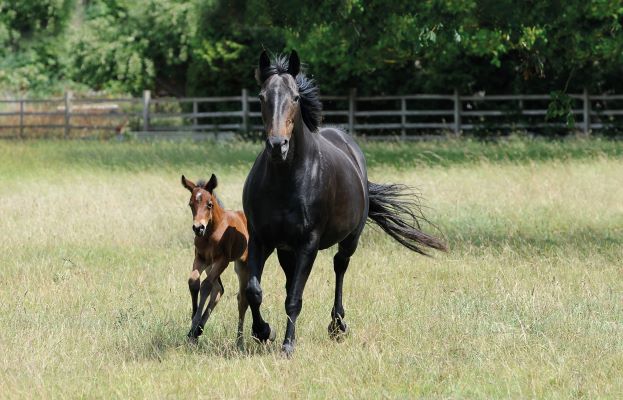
210 205
296 99
262 98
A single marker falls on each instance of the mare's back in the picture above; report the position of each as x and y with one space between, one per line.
347 148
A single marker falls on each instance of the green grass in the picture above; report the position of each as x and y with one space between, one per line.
96 248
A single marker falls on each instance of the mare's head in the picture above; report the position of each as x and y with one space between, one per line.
288 99
202 203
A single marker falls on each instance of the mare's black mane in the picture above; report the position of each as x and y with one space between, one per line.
311 107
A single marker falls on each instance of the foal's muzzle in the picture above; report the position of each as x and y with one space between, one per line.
199 229
278 147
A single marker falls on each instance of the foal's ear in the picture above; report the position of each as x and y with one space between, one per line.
294 64
212 183
187 184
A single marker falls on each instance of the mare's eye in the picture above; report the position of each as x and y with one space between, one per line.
262 98
296 99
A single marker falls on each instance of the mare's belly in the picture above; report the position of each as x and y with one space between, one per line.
288 231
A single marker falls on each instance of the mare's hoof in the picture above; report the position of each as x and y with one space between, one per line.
195 332
287 350
338 330
268 335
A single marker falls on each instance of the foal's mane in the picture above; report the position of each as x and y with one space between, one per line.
202 183
311 107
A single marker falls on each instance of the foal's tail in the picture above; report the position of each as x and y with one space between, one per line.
396 209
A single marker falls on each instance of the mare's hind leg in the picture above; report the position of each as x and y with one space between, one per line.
338 328
243 278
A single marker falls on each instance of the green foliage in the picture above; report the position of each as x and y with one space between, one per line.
211 47
129 45
30 47
561 108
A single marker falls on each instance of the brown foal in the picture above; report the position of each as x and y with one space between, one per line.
220 237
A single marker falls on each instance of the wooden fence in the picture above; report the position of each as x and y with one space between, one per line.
376 117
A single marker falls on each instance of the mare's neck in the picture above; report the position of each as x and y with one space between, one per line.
302 148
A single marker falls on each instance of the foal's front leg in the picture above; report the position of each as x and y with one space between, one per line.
194 282
209 288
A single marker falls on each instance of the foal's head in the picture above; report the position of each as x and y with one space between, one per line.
287 97
202 203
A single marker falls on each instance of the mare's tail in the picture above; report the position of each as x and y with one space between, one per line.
396 209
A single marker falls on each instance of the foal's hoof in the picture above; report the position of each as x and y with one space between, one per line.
240 343
338 330
287 350
268 335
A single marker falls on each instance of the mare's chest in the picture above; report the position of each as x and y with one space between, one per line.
287 216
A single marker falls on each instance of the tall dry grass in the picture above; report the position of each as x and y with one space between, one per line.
95 256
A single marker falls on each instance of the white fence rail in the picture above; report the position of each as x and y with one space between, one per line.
407 116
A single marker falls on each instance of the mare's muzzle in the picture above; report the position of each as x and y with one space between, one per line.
278 147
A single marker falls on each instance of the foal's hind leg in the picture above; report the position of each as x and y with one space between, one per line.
338 328
243 278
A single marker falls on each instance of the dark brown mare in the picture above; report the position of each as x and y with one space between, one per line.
220 237
309 190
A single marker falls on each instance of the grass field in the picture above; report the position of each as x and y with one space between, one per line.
95 252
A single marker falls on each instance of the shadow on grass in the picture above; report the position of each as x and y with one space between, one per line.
239 155
607 242
580 241
162 341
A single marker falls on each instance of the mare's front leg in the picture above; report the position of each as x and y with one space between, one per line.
243 279
295 284
258 253
210 287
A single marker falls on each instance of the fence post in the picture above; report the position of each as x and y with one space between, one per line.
586 113
244 99
351 111
21 119
195 111
68 96
457 113
403 118
146 101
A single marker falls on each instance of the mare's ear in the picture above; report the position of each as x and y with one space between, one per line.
188 184
263 64
264 60
294 64
212 183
